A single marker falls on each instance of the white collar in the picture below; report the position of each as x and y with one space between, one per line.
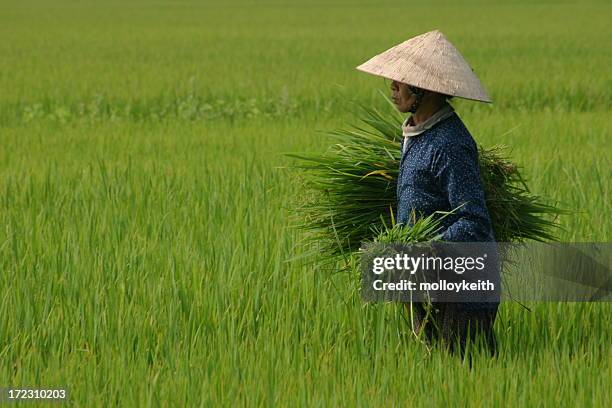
441 114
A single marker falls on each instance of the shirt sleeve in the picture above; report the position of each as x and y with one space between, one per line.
458 174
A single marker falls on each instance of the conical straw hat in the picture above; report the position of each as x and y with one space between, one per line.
428 61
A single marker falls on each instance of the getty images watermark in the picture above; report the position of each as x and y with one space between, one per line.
486 272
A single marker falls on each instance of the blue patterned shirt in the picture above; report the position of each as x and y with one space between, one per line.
439 172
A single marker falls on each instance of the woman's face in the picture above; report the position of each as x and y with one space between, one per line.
401 96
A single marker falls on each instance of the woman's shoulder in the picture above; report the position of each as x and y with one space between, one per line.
452 133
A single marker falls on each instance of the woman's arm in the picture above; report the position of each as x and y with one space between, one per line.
458 174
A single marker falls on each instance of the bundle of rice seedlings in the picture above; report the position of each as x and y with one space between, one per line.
353 190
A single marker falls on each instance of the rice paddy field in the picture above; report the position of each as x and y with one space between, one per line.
146 252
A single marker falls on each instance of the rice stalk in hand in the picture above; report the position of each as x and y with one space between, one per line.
353 189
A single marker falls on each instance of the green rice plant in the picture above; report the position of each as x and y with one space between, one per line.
423 229
353 189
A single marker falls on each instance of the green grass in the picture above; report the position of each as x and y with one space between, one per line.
145 253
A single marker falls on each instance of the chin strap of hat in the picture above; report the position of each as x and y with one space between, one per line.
418 93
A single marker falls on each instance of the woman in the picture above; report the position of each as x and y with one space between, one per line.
439 167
